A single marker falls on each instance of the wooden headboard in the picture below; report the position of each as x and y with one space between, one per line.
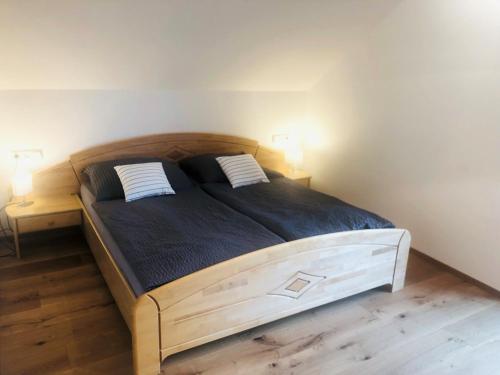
66 177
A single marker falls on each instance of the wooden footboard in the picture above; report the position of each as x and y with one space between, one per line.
270 284
252 289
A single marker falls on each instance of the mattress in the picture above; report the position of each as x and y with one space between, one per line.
157 240
293 211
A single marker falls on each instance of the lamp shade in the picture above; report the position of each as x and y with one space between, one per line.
294 155
22 182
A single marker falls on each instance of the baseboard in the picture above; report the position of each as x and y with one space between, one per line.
462 275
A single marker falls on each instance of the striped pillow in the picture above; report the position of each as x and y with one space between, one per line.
143 180
242 170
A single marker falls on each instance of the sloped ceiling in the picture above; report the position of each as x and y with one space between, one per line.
258 45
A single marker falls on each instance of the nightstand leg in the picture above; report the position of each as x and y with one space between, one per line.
16 240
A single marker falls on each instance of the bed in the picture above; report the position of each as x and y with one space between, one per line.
269 271
157 240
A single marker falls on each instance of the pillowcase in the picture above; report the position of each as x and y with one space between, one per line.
271 173
204 168
177 178
242 170
143 180
106 185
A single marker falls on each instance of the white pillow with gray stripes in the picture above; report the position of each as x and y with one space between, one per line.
242 170
143 180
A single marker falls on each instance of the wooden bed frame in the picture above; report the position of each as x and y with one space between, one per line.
241 293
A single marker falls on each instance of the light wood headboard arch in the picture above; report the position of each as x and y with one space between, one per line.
66 177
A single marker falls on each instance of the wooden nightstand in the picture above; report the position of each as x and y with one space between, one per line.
302 177
46 212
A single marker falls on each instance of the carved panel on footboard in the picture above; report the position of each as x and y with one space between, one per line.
312 274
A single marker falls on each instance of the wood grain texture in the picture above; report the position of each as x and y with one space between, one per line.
239 294
300 176
271 158
57 317
296 174
117 283
173 147
64 177
45 205
146 338
56 180
242 293
457 272
44 213
56 313
49 221
401 262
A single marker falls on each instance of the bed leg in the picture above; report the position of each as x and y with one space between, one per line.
146 337
398 281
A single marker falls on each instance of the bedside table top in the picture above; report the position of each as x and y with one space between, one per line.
45 205
297 174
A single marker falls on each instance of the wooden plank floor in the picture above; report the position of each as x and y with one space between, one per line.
57 317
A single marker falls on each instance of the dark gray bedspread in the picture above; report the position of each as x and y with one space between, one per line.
165 238
293 211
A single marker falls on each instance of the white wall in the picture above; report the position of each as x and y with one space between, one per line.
403 113
411 119
176 44
78 73
61 122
